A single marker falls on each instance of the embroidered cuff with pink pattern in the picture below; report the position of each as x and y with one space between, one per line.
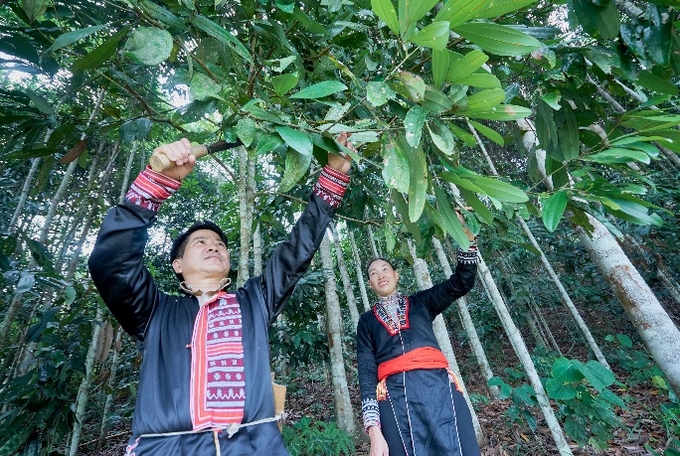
331 186
150 189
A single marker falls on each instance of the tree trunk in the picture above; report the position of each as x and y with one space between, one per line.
85 385
653 324
111 387
246 191
257 251
35 162
564 296
344 275
525 358
466 320
424 281
343 404
360 271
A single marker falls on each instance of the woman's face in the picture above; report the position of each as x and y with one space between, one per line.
382 278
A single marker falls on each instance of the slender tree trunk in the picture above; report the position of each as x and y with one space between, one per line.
85 385
371 240
246 190
111 386
343 404
564 296
522 352
344 275
128 170
257 251
466 320
644 310
653 324
35 162
424 281
360 271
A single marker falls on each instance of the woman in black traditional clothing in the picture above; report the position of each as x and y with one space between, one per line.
411 402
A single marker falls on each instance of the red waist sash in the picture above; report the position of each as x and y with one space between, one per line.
419 358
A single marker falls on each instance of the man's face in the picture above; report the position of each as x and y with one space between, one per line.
205 257
382 278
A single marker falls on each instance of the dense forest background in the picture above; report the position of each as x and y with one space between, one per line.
552 125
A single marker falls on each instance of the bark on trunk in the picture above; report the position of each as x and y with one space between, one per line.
344 275
643 309
246 190
343 404
360 271
522 352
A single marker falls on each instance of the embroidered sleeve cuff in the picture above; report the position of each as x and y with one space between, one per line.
470 256
331 186
370 412
150 189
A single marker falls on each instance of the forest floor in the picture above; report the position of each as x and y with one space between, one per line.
503 437
311 393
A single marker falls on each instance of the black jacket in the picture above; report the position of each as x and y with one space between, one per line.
164 323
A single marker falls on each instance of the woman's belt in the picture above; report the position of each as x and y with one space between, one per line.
419 358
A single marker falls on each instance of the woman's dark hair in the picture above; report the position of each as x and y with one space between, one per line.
368 265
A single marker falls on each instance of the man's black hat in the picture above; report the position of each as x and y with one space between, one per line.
201 225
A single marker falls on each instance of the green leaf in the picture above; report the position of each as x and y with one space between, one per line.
482 80
567 132
223 35
396 170
73 37
449 218
378 93
631 209
320 90
246 130
498 39
417 194
502 112
385 10
296 139
101 54
282 83
202 87
461 69
491 134
497 8
410 85
441 136
456 12
653 82
477 205
485 100
436 101
609 396
599 376
413 124
161 14
411 11
497 189
434 36
599 20
149 46
296 166
564 371
34 8
42 104
267 142
553 209
618 155
559 391
259 113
